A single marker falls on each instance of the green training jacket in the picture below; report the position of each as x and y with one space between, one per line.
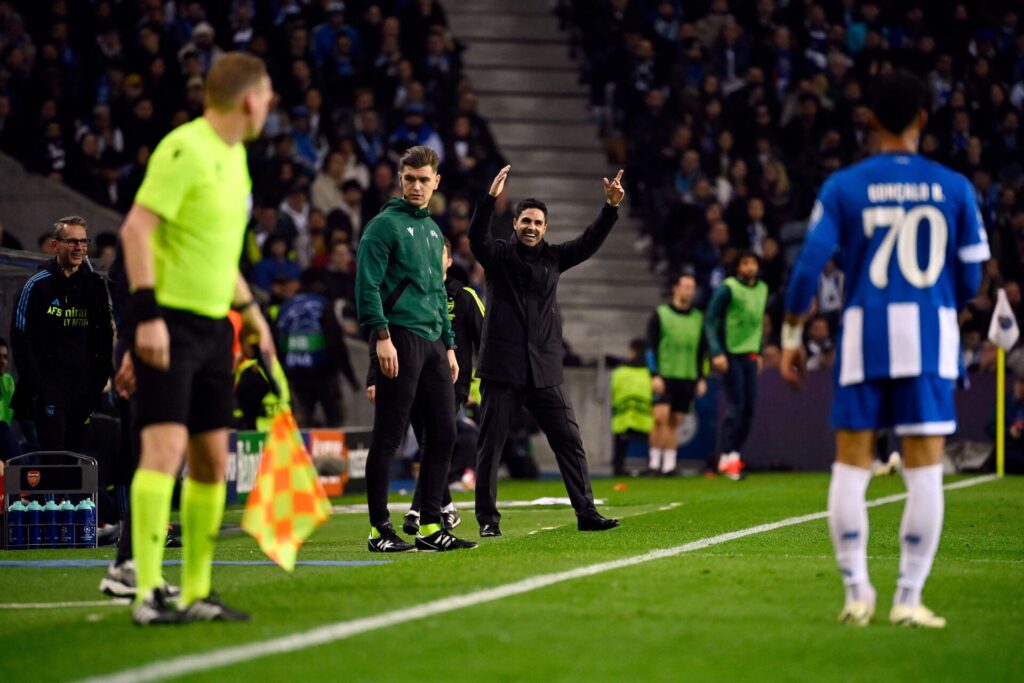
398 274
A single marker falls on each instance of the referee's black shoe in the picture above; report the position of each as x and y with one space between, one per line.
157 609
442 541
490 530
595 522
387 541
212 608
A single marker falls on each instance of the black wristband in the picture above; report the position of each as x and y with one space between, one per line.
142 306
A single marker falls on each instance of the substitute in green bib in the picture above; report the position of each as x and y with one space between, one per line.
734 328
182 242
675 357
631 403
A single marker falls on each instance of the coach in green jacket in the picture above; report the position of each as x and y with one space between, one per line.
403 307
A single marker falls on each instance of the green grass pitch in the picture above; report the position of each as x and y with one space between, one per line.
760 608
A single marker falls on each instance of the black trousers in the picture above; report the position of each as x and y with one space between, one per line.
423 384
551 408
740 386
61 416
308 393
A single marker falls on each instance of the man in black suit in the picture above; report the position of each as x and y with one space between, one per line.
520 360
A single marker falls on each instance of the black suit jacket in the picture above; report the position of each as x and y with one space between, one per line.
522 335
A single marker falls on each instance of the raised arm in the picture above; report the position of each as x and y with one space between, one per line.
480 239
577 251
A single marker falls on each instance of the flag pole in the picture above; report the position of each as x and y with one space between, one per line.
1000 410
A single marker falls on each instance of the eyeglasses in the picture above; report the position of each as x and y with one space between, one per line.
71 242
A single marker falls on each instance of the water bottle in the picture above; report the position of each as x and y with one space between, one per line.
34 525
66 525
85 523
50 533
16 526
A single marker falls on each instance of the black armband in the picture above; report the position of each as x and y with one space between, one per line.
142 307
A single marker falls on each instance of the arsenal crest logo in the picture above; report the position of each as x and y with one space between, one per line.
33 478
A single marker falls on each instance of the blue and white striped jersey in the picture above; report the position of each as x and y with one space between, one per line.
911 242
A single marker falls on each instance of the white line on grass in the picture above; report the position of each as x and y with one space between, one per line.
186 664
116 602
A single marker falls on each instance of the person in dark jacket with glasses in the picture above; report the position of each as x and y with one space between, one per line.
62 337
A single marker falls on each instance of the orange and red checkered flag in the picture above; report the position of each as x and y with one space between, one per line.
287 503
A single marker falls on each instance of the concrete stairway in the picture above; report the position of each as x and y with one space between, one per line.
528 88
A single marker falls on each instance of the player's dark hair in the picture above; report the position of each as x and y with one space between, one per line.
745 254
418 157
638 346
448 245
897 99
61 223
4 344
531 204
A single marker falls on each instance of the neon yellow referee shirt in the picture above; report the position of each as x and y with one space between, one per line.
200 188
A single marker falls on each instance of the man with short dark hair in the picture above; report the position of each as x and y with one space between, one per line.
62 339
734 329
403 307
911 242
521 352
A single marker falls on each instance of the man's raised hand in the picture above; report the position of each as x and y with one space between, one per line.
499 181
613 191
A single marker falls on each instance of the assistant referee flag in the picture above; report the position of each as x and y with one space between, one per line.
288 502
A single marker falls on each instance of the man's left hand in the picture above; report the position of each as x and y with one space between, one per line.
793 367
613 191
254 324
453 365
124 380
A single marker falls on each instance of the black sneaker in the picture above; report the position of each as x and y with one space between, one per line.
490 530
595 522
212 608
450 518
442 541
388 542
157 610
411 525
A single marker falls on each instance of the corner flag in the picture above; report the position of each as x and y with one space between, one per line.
1003 332
287 502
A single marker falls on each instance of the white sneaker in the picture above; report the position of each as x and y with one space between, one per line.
920 616
857 613
891 466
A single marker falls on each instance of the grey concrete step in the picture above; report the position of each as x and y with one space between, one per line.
522 82
498 24
546 135
546 109
491 53
548 160
610 293
492 6
584 190
599 268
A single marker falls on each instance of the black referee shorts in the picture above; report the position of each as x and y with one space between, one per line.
679 394
198 389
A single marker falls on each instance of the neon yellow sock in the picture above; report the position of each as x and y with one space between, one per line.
373 532
151 511
428 529
202 509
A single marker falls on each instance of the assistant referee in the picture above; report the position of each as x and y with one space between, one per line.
182 241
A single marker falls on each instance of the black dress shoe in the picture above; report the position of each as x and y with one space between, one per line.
489 530
595 523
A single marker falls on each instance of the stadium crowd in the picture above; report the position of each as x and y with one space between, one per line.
729 115
88 89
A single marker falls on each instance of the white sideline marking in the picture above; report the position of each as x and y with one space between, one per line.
115 602
186 664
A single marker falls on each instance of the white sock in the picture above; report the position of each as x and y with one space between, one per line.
919 531
654 459
668 460
450 507
848 522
